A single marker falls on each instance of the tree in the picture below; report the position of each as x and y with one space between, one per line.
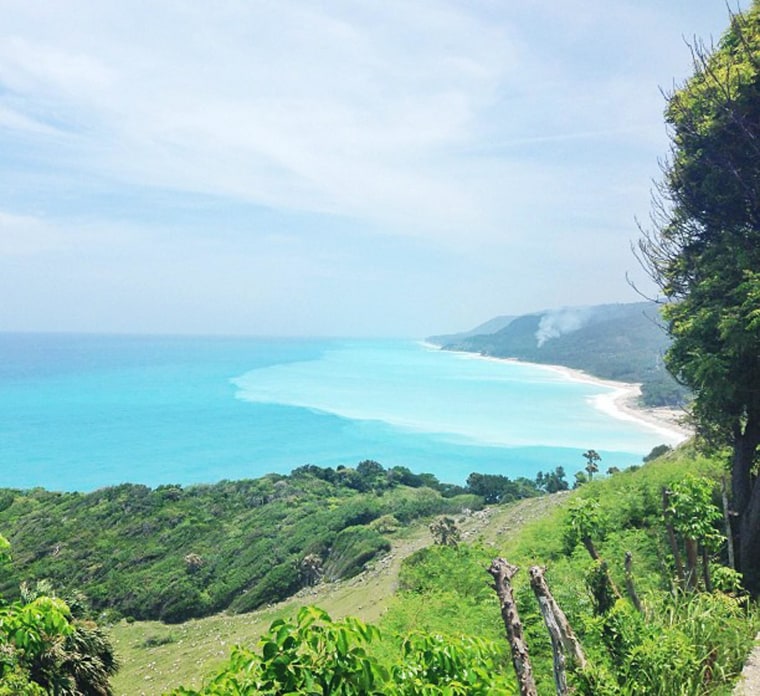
693 516
703 251
45 648
445 531
592 462
496 488
553 481
581 478
585 520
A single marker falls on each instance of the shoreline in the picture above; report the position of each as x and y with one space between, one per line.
621 402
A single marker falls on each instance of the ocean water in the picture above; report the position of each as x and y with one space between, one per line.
78 412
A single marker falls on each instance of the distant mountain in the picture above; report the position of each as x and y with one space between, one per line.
624 342
489 327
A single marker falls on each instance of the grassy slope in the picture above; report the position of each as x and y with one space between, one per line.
457 598
197 647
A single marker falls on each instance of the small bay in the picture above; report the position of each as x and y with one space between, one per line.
78 412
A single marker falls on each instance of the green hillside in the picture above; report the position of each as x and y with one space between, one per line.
173 552
682 642
437 627
623 342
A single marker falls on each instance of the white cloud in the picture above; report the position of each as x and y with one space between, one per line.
507 138
22 235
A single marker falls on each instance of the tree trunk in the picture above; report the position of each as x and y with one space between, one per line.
749 543
590 548
560 631
745 490
503 573
603 590
691 563
741 469
727 522
706 577
560 673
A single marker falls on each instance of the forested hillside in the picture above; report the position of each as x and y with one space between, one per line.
624 342
173 553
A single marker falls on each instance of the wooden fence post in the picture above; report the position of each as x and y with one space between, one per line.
502 573
560 631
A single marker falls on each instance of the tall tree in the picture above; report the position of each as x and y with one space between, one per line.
592 462
703 250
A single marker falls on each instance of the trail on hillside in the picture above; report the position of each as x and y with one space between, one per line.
156 658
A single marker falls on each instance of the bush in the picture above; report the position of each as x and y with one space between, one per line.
352 548
316 655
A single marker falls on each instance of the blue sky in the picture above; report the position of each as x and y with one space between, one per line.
350 168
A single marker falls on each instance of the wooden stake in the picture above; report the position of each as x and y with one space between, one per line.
560 631
502 573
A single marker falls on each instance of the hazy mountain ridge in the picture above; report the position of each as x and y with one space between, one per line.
624 342
489 327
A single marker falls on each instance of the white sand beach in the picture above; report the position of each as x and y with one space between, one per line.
622 402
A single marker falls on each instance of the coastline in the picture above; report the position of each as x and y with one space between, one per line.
621 402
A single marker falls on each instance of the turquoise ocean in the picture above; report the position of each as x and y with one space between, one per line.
78 412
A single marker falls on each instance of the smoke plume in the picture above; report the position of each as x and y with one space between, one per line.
561 321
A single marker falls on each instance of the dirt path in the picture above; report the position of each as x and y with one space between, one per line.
749 682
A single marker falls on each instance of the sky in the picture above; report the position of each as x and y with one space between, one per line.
328 168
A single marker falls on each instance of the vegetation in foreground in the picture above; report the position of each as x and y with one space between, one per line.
683 640
49 646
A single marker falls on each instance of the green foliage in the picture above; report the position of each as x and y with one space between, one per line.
173 553
585 521
707 636
353 547
704 253
424 643
495 488
656 452
444 590
684 645
456 569
316 655
553 481
44 649
436 664
692 511
727 580
581 478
